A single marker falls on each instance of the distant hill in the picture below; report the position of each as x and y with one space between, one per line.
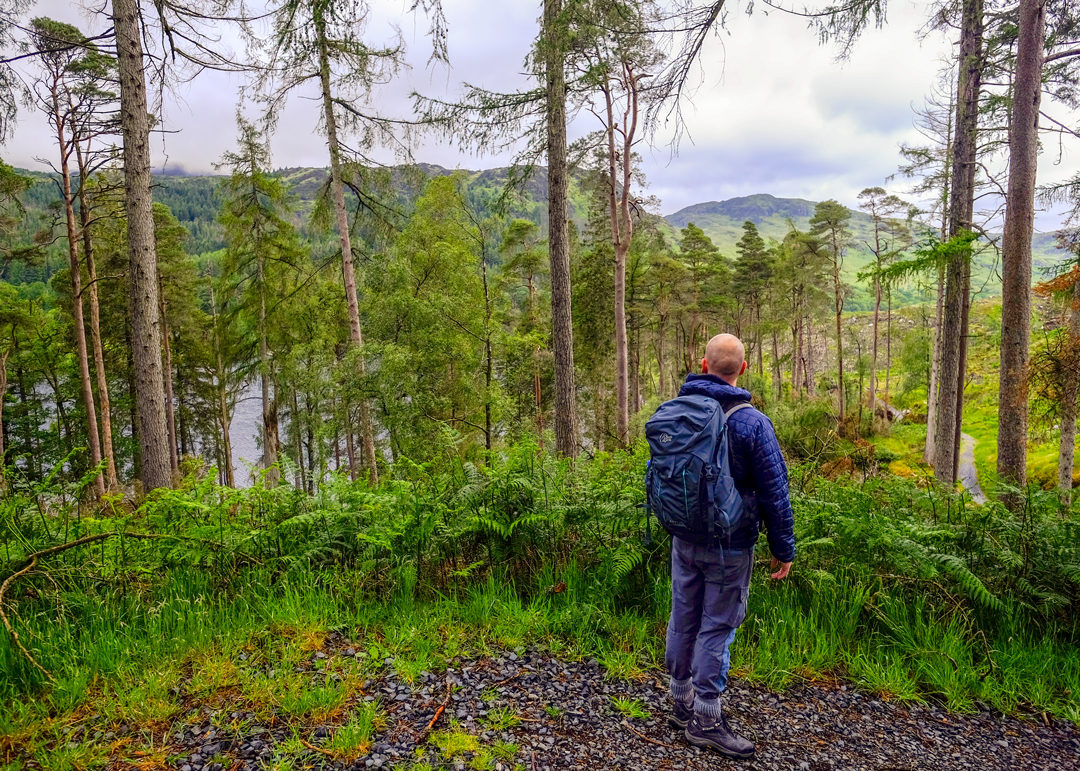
722 221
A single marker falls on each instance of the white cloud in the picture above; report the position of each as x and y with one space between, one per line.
774 111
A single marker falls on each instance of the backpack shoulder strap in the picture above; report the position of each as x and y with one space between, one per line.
736 408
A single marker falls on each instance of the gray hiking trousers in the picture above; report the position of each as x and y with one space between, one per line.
709 589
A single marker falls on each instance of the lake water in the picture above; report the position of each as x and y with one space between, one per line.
244 433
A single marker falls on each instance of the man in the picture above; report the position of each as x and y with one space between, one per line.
710 583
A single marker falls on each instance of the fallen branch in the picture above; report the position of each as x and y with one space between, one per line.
507 680
310 746
442 707
643 737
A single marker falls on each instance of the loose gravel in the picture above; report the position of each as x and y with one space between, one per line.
568 719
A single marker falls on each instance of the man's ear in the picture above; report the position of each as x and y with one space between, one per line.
744 367
705 366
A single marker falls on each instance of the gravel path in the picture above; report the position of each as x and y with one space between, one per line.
567 719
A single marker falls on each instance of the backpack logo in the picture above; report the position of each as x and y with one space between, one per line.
665 438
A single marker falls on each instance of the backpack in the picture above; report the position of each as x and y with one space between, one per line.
688 484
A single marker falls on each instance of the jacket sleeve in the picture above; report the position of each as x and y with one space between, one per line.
771 483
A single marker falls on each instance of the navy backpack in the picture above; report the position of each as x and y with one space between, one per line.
688 484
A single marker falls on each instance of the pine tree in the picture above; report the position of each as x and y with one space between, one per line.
261 244
830 224
751 276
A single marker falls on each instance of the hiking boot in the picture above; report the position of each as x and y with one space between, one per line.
714 732
681 716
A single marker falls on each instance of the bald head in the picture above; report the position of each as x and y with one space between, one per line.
725 357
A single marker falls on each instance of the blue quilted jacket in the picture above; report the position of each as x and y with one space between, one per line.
757 466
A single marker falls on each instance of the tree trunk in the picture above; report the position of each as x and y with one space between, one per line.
104 402
183 433
145 321
221 388
935 370
965 316
271 440
489 373
1016 246
350 442
838 299
660 331
562 329
170 401
760 345
337 189
874 353
1070 393
796 348
93 438
298 443
778 386
224 420
310 443
621 232
888 341
3 392
957 274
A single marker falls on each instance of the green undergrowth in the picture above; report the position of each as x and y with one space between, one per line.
904 591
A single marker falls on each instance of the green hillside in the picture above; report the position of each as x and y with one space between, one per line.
193 199
722 221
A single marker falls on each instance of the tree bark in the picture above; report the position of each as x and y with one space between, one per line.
145 321
778 385
888 341
838 299
1070 393
874 352
796 356
622 230
271 440
1016 247
112 482
350 442
3 392
562 329
170 399
294 426
221 387
935 370
489 372
957 274
93 438
661 364
337 190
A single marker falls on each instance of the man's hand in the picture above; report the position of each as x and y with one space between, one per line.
782 569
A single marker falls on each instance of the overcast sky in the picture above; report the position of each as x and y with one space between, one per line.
773 111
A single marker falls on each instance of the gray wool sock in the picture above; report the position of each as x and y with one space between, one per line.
683 691
707 708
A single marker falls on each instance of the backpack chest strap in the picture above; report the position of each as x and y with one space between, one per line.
736 408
